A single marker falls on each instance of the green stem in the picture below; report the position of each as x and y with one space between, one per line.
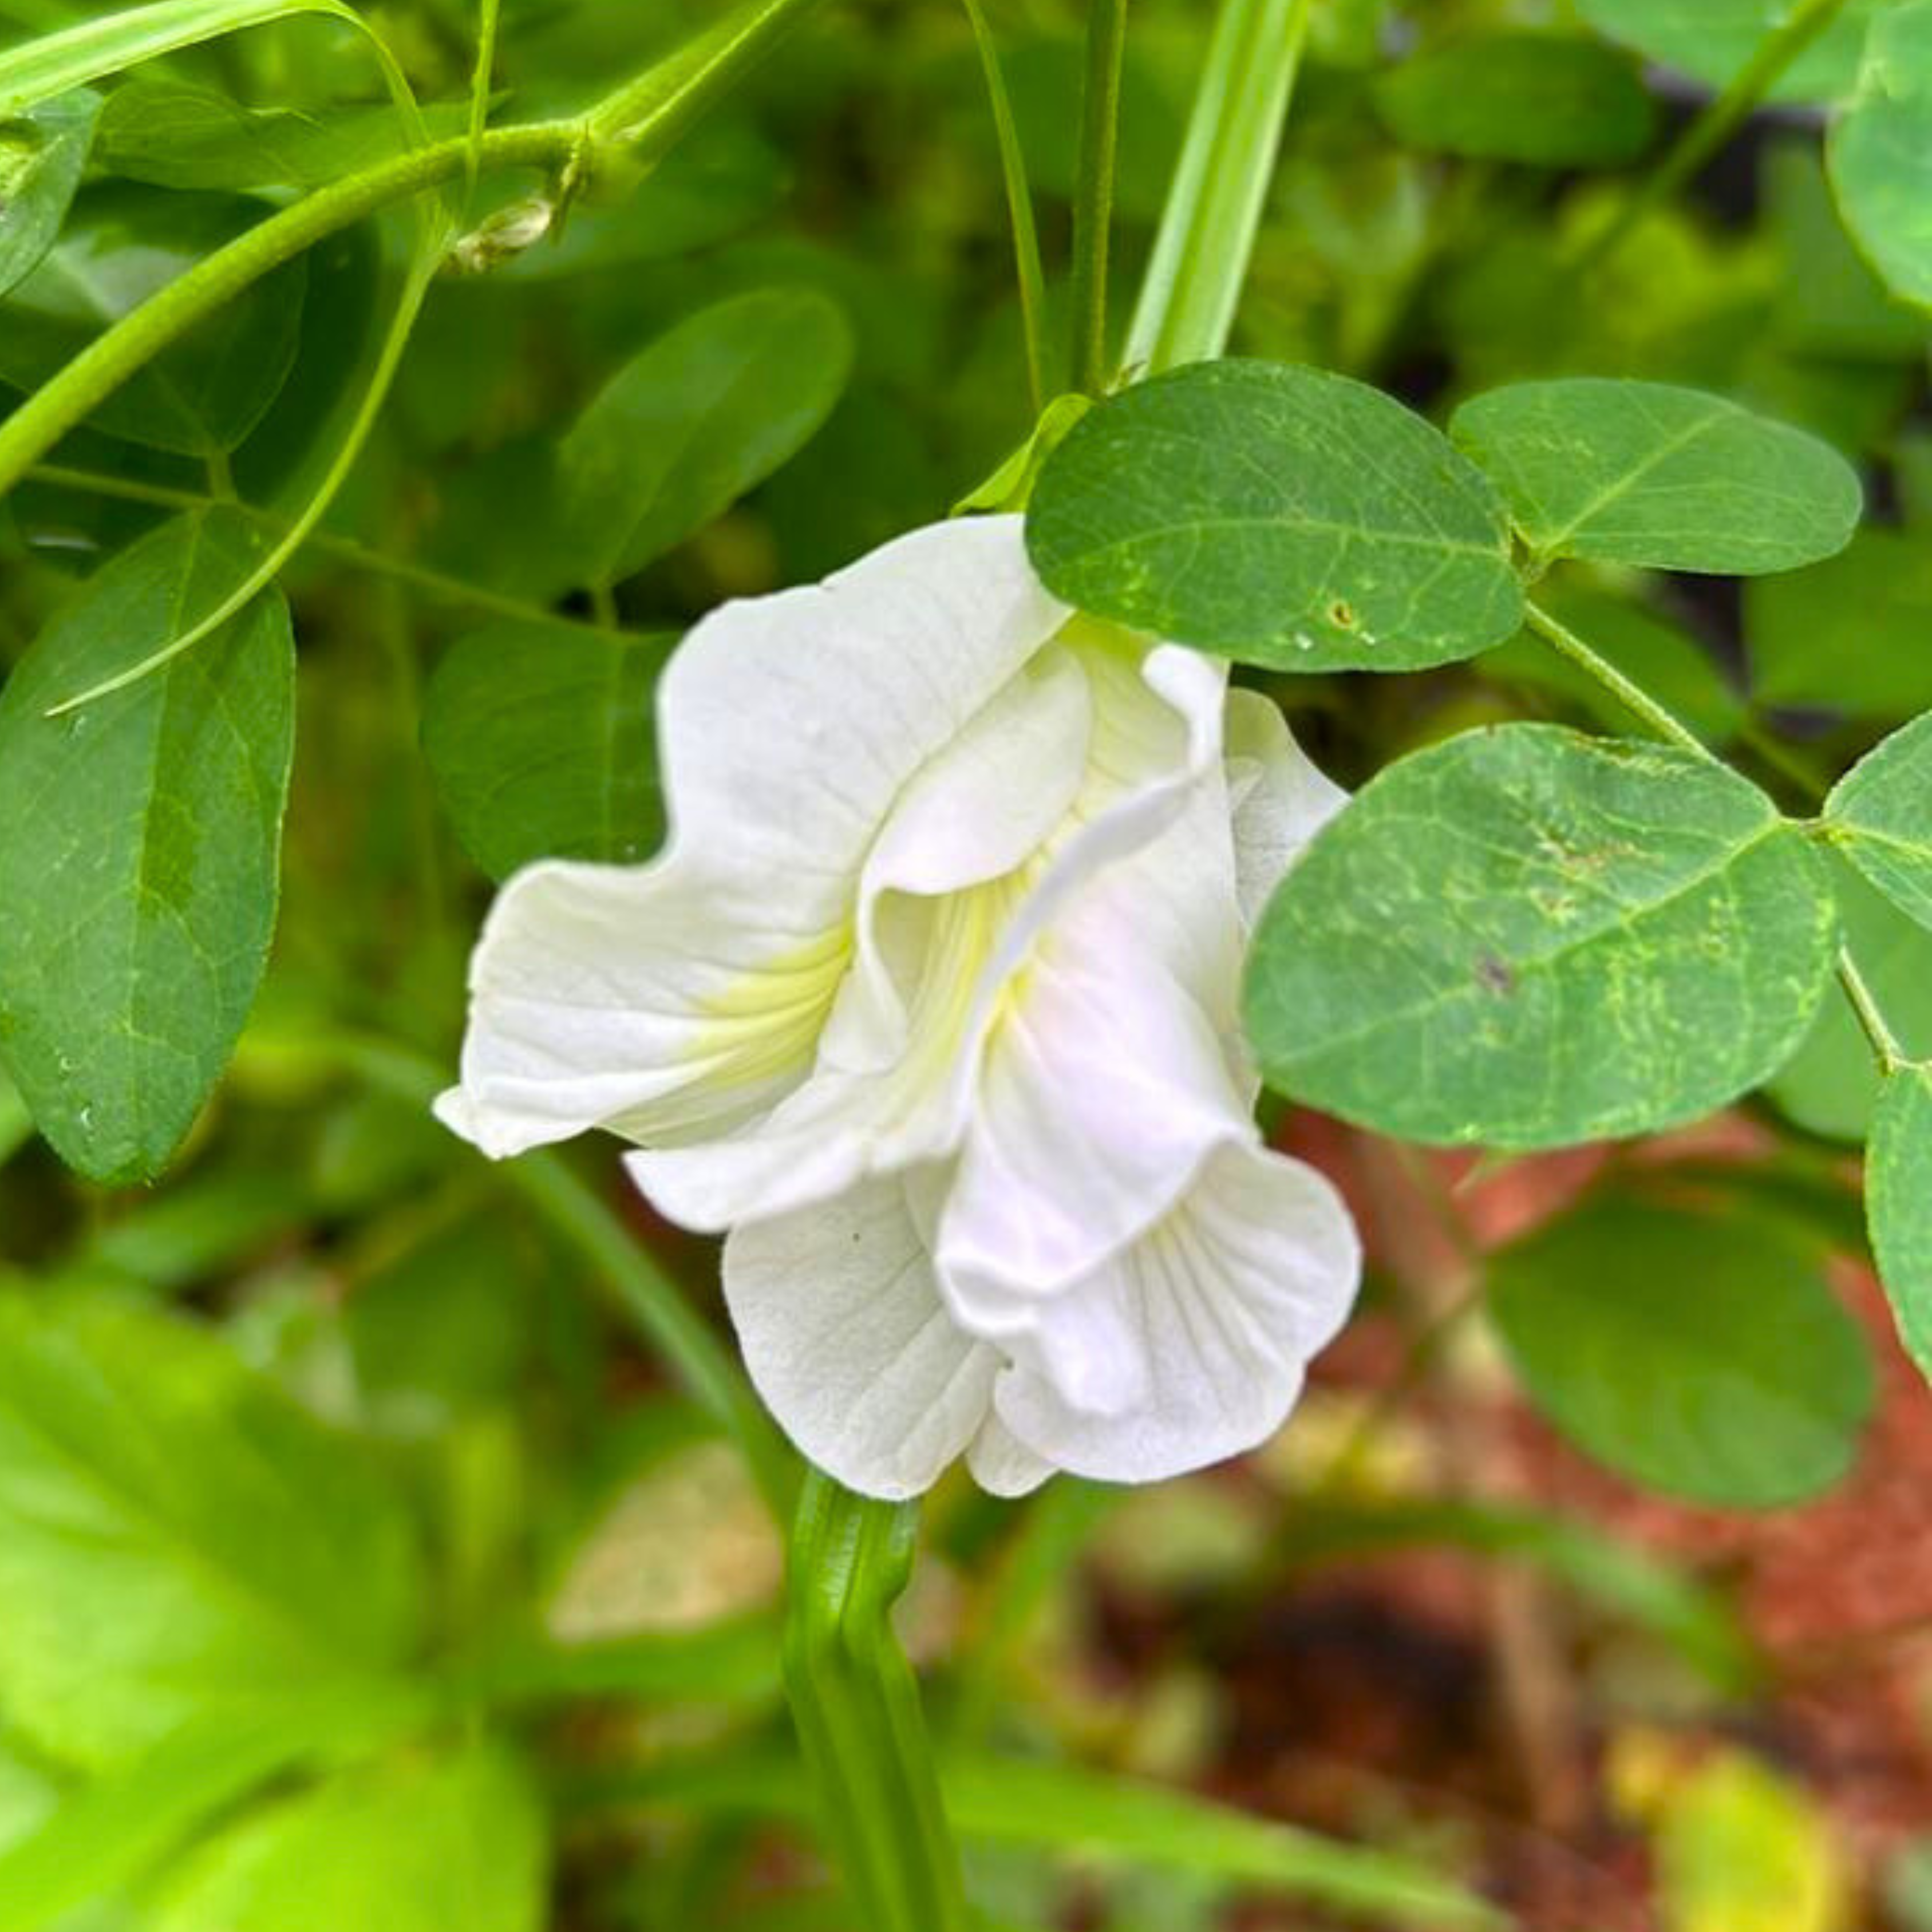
856 1705
1214 211
345 550
1019 208
1886 1045
1094 190
646 1295
1721 118
645 116
1638 701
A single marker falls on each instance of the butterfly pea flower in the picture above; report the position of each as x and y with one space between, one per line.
928 1005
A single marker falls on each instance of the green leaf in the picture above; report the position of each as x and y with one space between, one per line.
685 428
1125 1822
1880 151
1281 516
1525 938
1703 1356
1879 815
139 849
1549 100
424 1844
1713 40
1898 1205
1830 305
93 48
1847 635
191 137
123 244
1068 1809
41 158
540 738
254 1562
108 1833
1670 478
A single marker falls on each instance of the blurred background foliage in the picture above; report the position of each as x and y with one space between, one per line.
361 1564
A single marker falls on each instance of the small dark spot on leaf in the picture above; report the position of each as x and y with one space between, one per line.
1341 615
1492 974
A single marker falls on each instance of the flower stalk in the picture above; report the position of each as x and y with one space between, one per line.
856 1705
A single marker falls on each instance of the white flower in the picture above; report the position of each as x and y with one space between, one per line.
930 1001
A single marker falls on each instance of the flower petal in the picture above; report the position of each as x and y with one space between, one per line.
1112 1076
1280 799
1216 1312
848 1343
677 999
1106 777
901 1039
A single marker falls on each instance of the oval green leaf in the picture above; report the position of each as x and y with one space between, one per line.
425 1843
124 36
684 429
1898 1205
140 848
1551 101
252 1556
1879 815
1525 938
122 244
540 740
1281 516
1849 634
1669 479
41 158
1698 1354
1714 40
1880 152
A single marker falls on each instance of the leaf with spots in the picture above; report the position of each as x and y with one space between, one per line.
1280 516
1524 937
539 737
1879 815
139 847
1701 1354
1669 479
1898 1205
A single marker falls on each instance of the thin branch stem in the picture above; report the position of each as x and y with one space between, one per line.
1721 118
646 116
346 551
1019 208
1634 699
1886 1045
1094 190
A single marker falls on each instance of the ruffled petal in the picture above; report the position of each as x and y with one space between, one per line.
848 1343
1280 799
676 999
1002 1464
1112 1075
897 1047
1201 1330
944 932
